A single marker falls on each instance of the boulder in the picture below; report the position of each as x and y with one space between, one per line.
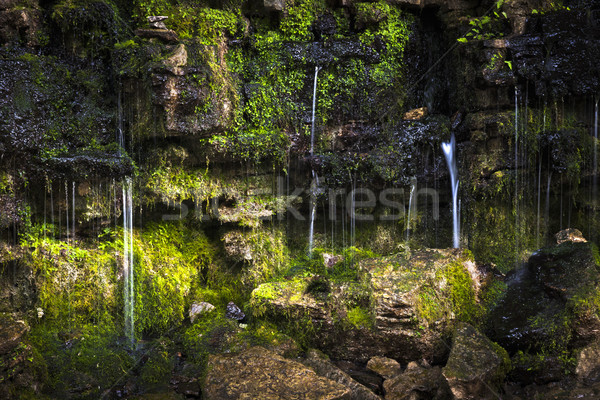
320 363
261 374
11 332
402 311
418 383
588 363
387 368
569 235
197 309
476 366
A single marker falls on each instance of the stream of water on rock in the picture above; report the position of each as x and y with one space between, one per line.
449 149
315 181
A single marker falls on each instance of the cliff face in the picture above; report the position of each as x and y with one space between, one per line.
238 120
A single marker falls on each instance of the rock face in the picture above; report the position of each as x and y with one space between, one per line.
261 374
387 368
476 366
405 309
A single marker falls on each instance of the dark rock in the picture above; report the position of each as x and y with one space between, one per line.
361 374
164 35
234 312
11 332
20 24
387 368
320 363
476 366
418 383
259 373
325 25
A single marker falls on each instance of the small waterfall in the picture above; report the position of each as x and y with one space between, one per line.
314 106
449 149
595 166
67 207
315 181
411 205
313 211
128 272
516 176
73 210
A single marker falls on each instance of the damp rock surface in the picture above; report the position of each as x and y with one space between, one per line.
259 373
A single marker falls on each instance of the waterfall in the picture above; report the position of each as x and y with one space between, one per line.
314 106
449 149
128 271
73 209
595 166
315 182
516 176
411 205
313 211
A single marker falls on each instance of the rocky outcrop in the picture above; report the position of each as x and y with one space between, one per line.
476 366
260 373
404 312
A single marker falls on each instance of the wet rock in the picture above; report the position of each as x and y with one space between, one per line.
259 373
234 312
325 25
197 309
418 383
20 23
588 363
387 368
164 35
11 332
570 235
320 363
476 366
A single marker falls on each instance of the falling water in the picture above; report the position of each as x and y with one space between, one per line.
73 210
313 211
595 166
128 271
67 206
315 182
411 205
314 106
516 176
449 149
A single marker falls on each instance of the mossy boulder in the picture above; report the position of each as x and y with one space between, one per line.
476 366
403 308
418 382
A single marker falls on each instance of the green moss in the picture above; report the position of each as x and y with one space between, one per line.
360 318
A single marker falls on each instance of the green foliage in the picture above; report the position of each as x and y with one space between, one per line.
360 318
488 26
300 15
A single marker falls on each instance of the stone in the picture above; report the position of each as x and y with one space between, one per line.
197 309
418 383
258 373
12 331
234 312
387 368
176 60
569 235
320 363
157 21
164 35
415 114
476 366
588 363
274 5
330 260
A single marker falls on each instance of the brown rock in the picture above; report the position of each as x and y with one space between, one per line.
11 332
569 235
386 367
258 373
416 114
588 362
165 35
418 383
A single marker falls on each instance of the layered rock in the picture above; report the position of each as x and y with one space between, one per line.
403 312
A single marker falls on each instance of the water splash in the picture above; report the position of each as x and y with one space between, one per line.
449 149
